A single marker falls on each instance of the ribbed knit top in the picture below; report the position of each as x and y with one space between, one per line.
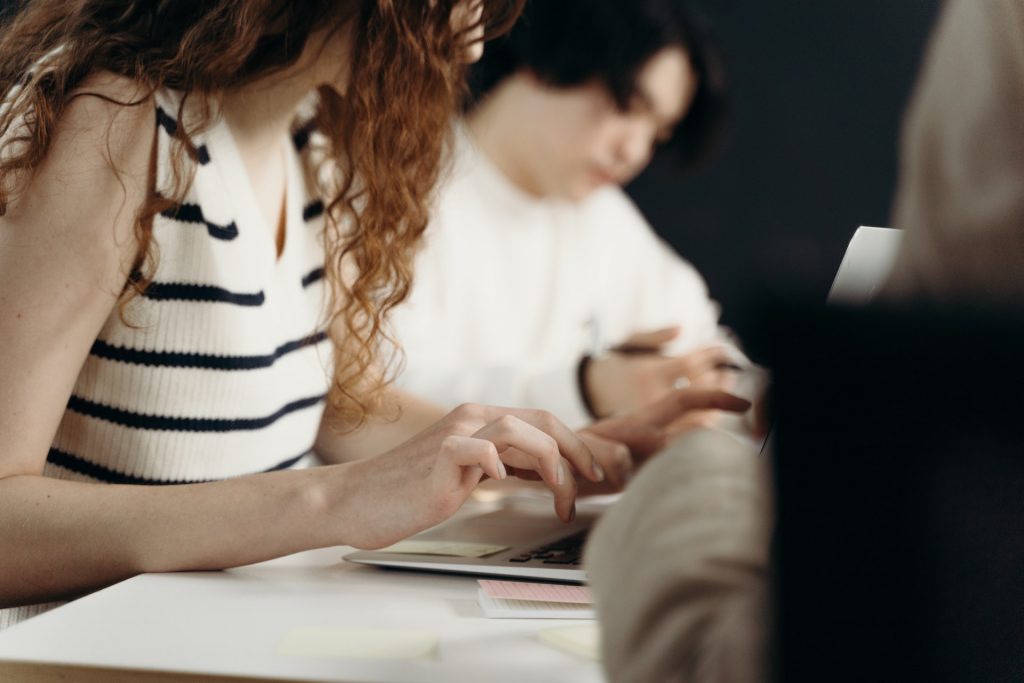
223 366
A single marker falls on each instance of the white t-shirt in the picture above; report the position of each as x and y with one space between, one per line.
511 291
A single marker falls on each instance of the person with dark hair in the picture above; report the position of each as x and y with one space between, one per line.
611 44
206 212
540 279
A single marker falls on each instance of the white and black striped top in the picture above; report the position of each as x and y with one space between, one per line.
224 365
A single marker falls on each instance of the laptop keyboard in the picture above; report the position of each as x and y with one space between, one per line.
564 551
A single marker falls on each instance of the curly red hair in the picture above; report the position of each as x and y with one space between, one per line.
385 137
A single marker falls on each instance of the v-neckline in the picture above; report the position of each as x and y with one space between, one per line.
239 186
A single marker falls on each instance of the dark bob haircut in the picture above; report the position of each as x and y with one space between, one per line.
569 43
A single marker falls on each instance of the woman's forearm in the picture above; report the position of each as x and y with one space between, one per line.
61 538
380 433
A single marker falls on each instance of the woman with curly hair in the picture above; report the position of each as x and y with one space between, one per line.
208 210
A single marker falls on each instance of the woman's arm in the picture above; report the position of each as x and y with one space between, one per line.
66 245
62 538
411 415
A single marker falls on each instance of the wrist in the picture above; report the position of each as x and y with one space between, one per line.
328 502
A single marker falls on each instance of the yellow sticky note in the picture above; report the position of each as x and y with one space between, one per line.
448 548
357 643
582 641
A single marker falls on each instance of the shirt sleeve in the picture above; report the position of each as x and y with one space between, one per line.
679 566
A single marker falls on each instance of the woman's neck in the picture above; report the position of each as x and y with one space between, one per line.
261 113
260 116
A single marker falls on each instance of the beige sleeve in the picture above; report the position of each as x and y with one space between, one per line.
961 192
679 566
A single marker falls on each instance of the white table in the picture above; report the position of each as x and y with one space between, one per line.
195 626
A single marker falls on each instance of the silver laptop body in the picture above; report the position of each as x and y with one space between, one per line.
530 531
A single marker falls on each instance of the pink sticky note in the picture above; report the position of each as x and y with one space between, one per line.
542 592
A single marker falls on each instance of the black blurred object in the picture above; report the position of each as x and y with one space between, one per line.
817 91
899 463
9 7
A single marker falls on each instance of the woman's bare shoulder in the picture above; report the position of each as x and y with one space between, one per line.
95 170
106 99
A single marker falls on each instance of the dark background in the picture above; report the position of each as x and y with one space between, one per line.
819 88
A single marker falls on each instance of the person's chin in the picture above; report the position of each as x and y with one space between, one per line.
600 178
580 192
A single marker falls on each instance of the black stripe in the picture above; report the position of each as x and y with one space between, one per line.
177 291
172 359
170 124
126 418
312 210
79 465
193 213
312 276
300 138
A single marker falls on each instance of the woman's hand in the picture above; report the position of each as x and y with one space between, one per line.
426 479
622 444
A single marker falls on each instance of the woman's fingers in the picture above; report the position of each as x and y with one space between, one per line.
692 420
615 458
508 431
465 451
641 439
667 410
525 446
567 442
646 430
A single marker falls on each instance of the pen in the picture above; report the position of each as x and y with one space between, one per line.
633 350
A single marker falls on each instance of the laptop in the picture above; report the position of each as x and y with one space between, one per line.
899 543
866 264
528 541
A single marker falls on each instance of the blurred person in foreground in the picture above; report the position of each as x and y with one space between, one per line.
961 194
540 283
690 536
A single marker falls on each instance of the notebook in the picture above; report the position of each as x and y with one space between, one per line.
522 600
